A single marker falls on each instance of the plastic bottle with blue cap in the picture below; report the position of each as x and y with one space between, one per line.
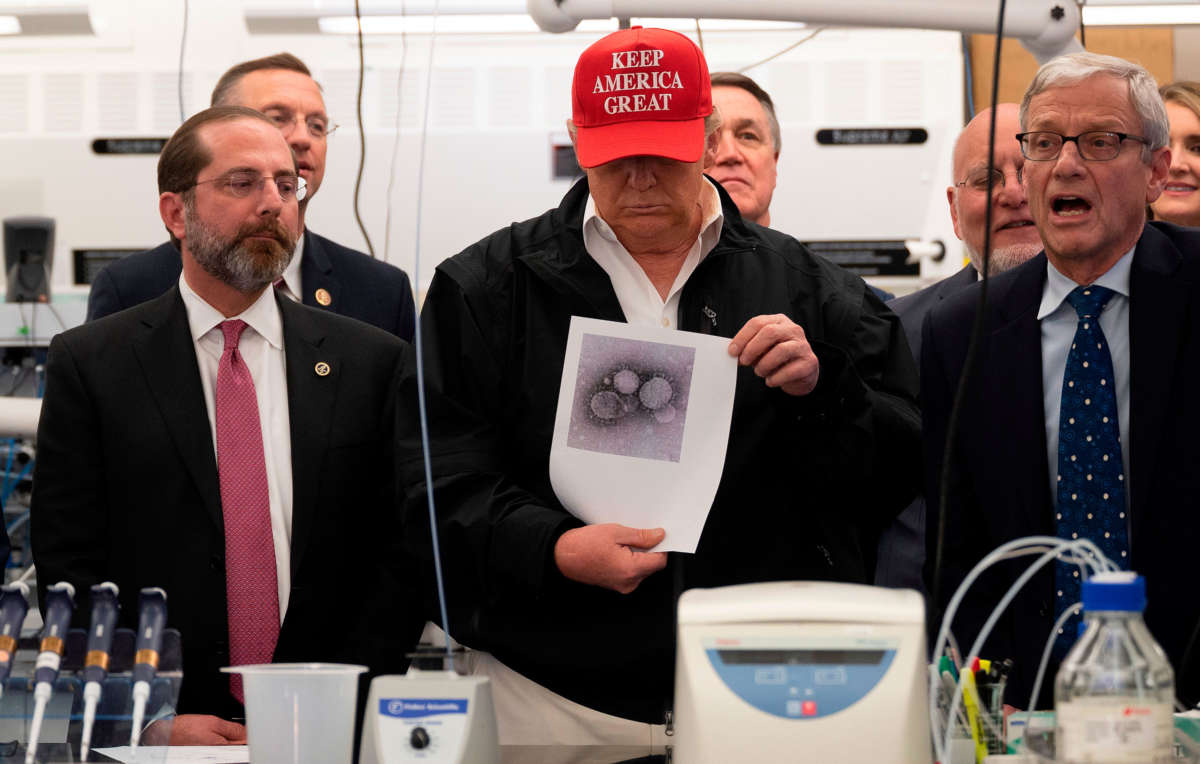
1114 693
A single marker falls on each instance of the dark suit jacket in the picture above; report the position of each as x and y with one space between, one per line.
902 545
126 487
361 287
1001 482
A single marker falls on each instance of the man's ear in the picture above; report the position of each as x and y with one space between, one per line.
711 143
1160 170
571 131
950 190
170 208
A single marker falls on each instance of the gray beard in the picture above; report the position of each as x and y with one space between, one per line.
247 266
1004 258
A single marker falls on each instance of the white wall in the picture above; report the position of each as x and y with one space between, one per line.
497 101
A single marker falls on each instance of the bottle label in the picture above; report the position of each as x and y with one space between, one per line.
1113 730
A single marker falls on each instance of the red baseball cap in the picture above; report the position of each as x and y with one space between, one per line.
640 92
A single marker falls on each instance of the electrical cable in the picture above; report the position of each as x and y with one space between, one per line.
969 77
955 652
791 47
25 323
1190 654
11 483
12 445
182 47
24 518
1091 556
419 347
1082 29
1053 548
387 220
976 333
57 317
362 133
1041 672
1050 546
24 473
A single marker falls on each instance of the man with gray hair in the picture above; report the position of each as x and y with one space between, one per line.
576 620
1079 421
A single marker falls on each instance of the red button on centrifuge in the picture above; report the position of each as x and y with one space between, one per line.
809 708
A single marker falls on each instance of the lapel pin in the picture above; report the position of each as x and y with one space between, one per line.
323 297
322 369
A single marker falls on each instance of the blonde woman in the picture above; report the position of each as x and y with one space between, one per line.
1180 200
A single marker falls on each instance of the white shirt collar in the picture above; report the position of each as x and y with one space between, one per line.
1059 286
291 274
262 316
710 227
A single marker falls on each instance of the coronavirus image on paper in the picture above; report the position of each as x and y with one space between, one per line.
631 397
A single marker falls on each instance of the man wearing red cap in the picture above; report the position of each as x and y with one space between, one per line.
577 621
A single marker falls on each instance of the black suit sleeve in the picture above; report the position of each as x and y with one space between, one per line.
862 421
103 298
68 524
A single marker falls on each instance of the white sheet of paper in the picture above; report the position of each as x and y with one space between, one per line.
642 427
180 754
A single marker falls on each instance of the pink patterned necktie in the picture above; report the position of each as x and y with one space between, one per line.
251 585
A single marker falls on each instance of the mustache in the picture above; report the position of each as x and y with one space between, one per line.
273 228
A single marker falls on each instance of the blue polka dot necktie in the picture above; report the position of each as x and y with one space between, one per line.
1091 483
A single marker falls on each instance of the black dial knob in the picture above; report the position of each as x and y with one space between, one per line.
419 738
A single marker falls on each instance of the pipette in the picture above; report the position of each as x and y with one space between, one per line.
14 604
60 603
95 665
152 617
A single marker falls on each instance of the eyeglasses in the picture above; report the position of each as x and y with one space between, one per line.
318 125
977 179
1096 145
241 183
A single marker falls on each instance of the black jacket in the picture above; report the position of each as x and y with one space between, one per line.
807 484
359 287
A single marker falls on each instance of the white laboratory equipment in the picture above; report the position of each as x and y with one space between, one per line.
806 670
437 717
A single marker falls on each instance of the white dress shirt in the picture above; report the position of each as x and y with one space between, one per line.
291 274
639 298
1058 323
261 347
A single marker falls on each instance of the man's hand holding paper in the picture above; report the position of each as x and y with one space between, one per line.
779 352
610 555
